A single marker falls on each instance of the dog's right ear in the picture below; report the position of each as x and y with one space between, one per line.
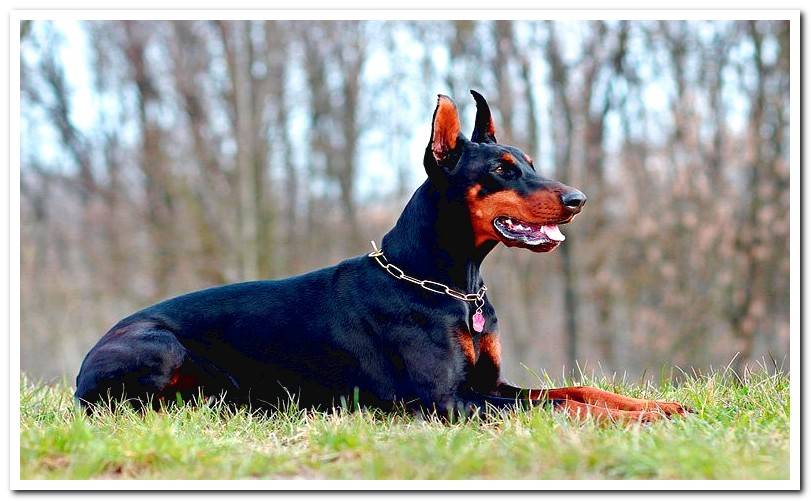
446 138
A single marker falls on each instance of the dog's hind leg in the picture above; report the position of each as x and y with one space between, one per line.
138 363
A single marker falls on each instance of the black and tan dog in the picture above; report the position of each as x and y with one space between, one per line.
410 323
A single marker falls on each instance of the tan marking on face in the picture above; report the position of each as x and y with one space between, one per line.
528 158
506 157
542 207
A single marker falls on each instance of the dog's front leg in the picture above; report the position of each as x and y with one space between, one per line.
485 378
592 396
573 408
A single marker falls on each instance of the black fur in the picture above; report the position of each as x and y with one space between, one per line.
347 331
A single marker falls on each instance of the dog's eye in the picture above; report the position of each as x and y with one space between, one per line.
504 171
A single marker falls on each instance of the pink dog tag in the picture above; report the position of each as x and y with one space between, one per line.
478 321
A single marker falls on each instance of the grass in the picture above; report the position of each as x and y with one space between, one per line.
740 431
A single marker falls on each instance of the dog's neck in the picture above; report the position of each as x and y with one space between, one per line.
433 240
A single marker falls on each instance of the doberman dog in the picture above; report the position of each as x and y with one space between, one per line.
408 324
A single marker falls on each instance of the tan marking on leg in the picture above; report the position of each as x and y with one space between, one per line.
465 342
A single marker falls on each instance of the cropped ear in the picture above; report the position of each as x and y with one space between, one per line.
445 131
485 129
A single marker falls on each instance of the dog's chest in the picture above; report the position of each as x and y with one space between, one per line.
475 347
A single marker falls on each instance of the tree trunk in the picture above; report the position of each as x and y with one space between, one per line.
563 153
159 189
236 39
744 319
278 44
191 63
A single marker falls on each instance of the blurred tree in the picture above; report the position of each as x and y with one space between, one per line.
201 152
563 132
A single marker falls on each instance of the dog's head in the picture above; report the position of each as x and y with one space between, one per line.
507 199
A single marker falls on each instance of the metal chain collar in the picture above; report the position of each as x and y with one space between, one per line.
429 285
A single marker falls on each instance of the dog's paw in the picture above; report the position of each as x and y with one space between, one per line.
672 408
644 417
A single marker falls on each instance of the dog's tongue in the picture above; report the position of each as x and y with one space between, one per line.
553 232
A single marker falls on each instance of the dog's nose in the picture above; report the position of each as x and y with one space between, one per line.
573 200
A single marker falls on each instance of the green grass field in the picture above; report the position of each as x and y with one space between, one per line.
740 431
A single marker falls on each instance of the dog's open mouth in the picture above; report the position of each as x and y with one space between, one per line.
515 232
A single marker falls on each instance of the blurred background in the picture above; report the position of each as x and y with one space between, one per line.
160 157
